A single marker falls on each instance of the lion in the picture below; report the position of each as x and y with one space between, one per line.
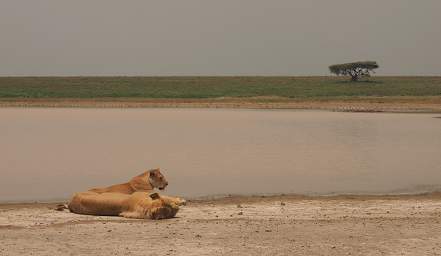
144 182
139 205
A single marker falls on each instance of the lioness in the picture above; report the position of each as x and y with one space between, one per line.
146 181
139 205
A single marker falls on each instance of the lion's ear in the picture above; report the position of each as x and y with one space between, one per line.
154 196
153 172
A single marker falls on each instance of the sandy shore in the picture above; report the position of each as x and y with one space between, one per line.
280 225
368 104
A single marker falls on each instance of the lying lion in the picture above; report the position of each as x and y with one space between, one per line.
145 182
139 205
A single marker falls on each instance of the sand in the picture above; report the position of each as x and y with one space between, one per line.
278 225
366 104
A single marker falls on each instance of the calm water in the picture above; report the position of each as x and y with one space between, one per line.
50 153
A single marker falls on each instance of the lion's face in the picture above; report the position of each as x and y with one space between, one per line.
157 179
164 212
161 209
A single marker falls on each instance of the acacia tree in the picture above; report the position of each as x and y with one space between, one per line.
355 70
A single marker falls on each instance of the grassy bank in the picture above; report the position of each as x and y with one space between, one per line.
301 88
379 94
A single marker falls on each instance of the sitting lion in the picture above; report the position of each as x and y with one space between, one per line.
144 182
139 205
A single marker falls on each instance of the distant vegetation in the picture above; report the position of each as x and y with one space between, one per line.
214 87
355 70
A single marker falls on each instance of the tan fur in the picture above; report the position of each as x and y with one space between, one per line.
140 205
144 182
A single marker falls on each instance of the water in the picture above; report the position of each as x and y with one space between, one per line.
48 154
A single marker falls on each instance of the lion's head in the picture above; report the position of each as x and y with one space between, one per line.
157 180
162 209
149 180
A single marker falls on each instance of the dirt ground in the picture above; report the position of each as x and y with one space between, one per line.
277 225
368 104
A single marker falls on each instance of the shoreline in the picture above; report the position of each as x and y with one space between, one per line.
366 104
258 198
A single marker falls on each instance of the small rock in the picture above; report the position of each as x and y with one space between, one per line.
60 207
109 230
198 236
239 206
240 213
282 204
267 230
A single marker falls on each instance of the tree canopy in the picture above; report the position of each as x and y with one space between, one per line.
355 70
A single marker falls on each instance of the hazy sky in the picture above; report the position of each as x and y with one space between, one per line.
222 37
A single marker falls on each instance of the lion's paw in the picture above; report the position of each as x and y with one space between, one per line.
181 202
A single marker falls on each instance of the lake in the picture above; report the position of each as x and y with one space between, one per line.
47 154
